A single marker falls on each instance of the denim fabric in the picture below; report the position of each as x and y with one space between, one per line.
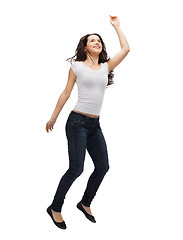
83 133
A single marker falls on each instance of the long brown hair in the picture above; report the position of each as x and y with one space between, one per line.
80 54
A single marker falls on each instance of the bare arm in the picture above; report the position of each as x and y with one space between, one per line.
62 100
60 103
125 48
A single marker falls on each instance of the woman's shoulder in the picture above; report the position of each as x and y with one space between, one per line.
76 66
105 64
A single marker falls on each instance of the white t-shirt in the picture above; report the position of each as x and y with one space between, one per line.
91 87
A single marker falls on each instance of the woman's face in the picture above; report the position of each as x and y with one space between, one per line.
94 45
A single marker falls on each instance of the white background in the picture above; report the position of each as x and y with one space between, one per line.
142 120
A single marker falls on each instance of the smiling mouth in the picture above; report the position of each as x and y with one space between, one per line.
97 47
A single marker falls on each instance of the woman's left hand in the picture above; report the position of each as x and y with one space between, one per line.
114 20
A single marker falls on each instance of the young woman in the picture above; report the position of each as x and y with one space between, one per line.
92 72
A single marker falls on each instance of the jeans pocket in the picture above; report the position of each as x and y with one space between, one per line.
77 122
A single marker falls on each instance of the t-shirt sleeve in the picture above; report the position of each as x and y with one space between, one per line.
106 67
74 68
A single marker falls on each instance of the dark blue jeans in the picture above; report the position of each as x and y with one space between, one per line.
83 132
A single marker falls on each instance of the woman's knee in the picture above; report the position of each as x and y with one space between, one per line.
75 172
106 168
103 169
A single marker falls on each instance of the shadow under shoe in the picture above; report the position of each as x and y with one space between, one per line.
61 225
90 217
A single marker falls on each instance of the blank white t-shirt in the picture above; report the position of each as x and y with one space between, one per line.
91 87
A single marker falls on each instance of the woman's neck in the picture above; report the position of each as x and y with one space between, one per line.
92 60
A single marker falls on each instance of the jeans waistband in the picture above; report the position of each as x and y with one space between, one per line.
84 117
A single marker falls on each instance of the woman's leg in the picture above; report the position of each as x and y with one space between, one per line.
77 142
97 148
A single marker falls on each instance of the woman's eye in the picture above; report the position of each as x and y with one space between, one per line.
94 40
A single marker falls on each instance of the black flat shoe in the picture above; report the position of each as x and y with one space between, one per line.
90 217
61 225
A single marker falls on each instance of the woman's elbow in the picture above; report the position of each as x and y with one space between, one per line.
66 94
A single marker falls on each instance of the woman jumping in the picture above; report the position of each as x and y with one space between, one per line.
92 70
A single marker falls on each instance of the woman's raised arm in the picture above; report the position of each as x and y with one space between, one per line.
113 62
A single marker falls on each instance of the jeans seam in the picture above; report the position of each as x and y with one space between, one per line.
73 148
94 170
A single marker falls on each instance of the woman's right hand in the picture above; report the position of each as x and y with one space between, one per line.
49 124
